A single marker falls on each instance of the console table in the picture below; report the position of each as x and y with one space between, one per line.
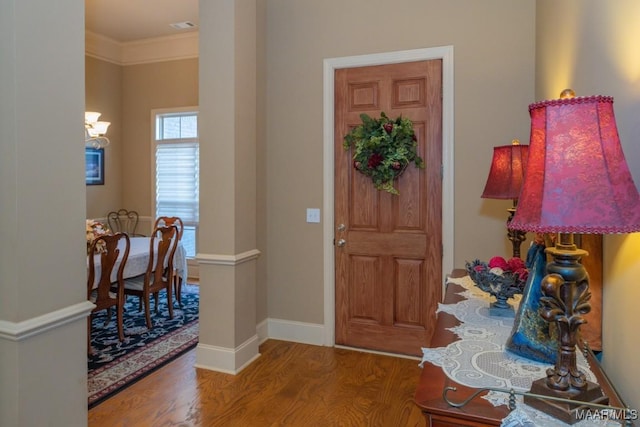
478 412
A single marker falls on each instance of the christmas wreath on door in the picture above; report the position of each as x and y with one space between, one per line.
383 148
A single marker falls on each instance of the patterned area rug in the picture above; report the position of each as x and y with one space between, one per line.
116 365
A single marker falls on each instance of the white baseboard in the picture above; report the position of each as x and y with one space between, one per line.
287 330
227 360
234 360
306 333
262 330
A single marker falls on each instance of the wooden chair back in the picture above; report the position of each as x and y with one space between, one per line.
177 221
114 249
163 244
111 254
159 273
123 221
171 220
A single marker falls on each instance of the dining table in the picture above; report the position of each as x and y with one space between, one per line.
138 260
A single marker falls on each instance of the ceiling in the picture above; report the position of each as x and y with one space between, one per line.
130 20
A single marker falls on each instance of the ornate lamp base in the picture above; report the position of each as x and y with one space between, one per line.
516 237
566 412
565 301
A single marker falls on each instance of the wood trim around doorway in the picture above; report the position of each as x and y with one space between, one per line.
330 65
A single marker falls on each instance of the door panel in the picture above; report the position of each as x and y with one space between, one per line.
388 272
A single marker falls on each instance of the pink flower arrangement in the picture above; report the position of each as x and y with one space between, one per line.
498 262
500 266
95 229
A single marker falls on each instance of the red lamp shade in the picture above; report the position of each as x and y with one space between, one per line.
577 179
507 172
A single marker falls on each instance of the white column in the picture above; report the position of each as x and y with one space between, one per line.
227 235
43 306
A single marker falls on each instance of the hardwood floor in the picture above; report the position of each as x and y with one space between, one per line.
290 384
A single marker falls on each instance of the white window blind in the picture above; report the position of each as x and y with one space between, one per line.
177 181
177 166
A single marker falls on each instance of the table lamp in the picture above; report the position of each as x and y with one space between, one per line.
505 181
577 181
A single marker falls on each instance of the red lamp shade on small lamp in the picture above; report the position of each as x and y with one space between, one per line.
507 171
505 181
577 181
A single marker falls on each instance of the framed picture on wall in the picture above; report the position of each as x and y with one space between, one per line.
94 163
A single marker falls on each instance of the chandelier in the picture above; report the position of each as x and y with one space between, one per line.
94 131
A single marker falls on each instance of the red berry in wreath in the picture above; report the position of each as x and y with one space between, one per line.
388 127
375 160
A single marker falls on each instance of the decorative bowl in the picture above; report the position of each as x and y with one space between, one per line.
502 282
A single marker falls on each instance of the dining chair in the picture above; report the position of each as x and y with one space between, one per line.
177 280
123 221
103 293
170 220
159 274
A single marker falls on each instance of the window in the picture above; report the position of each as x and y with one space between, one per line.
177 170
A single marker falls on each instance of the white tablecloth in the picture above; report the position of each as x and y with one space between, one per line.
138 260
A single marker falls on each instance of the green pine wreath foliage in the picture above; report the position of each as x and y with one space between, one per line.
383 148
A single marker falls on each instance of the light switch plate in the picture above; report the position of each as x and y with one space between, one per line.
313 215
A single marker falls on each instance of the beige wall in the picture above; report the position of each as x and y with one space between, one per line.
591 46
494 63
494 84
103 93
43 299
493 60
146 87
126 96
261 161
228 124
493 45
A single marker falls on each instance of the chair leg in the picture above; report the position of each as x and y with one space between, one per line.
147 311
120 322
177 283
106 322
155 299
89 335
170 301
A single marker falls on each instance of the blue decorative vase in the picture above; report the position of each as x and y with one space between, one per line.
532 337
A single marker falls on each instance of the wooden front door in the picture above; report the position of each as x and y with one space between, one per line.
388 252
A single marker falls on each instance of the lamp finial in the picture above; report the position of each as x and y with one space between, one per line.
567 93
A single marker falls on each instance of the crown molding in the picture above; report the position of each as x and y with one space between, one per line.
157 49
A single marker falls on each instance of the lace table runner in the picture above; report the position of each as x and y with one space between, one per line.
479 359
